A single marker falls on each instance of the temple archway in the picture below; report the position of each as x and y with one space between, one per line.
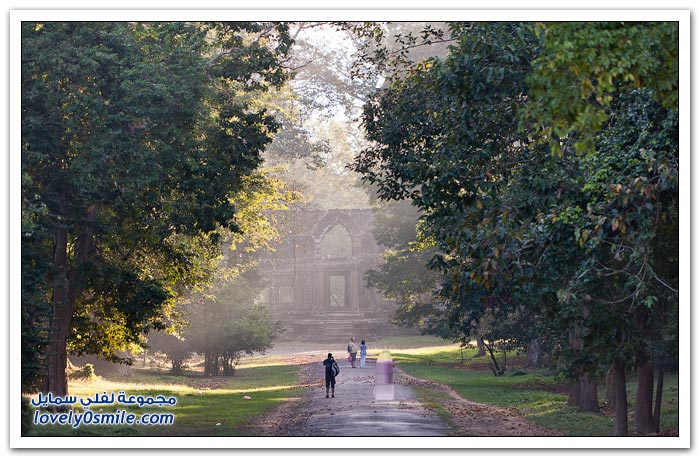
316 276
335 244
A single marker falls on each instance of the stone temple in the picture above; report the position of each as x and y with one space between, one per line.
315 276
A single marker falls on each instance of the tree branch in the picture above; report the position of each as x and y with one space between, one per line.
425 43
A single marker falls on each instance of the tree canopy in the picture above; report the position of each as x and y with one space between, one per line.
134 138
544 161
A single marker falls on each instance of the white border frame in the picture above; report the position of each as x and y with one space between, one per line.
682 16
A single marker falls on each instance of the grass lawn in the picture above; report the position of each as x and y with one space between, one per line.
206 406
215 406
535 393
374 347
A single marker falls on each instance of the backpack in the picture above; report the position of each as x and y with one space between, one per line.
335 369
349 349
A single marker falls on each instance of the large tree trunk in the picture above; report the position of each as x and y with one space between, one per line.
496 368
66 289
480 345
583 394
211 364
657 405
55 380
534 352
643 412
620 398
176 368
229 365
610 388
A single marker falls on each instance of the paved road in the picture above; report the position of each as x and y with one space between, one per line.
355 412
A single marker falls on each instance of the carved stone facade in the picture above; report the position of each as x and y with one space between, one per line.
316 278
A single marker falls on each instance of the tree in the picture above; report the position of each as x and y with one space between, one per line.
443 138
174 346
318 135
387 50
35 291
593 88
322 62
248 327
310 176
565 242
587 63
227 321
319 132
631 233
262 203
134 135
403 277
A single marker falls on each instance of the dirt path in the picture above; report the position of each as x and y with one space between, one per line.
354 412
469 418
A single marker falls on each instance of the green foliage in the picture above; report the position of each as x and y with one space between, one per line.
35 303
241 327
443 137
630 231
134 138
530 244
584 64
173 345
86 372
403 276
260 200
227 322
387 49
27 416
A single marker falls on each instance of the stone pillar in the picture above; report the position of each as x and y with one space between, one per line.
354 290
320 290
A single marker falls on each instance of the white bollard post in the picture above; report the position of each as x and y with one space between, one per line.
384 378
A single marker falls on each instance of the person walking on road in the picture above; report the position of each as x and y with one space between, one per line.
352 349
332 370
363 353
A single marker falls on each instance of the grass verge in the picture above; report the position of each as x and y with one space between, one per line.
206 406
535 394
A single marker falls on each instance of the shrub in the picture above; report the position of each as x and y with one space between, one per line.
86 372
